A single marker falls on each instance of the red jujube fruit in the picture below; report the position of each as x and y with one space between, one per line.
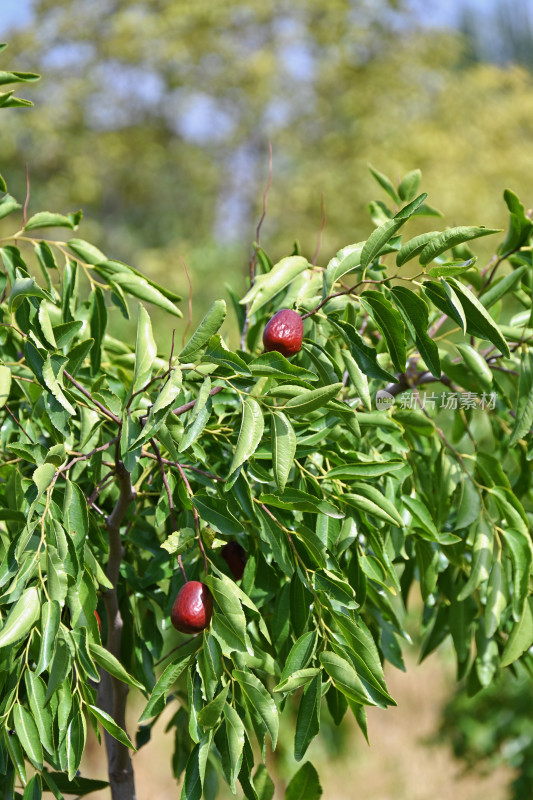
193 608
235 557
284 333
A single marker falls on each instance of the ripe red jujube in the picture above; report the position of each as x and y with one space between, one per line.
235 557
284 333
193 608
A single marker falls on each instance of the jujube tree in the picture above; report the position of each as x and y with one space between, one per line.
126 477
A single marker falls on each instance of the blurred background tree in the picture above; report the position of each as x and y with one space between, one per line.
166 109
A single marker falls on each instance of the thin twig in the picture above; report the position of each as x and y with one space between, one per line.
251 266
195 513
15 420
322 224
187 406
178 646
89 396
170 500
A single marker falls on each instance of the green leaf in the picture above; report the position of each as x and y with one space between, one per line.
50 621
268 285
215 512
308 720
524 411
304 785
160 691
310 400
496 291
260 701
231 609
300 655
52 378
28 735
389 323
358 378
36 691
211 713
76 737
385 184
414 246
365 469
112 665
378 239
33 790
451 268
5 384
346 260
521 637
250 434
344 677
409 185
481 560
78 786
21 618
372 501
479 320
477 365
299 677
451 238
8 204
98 324
275 365
111 726
283 448
521 553
145 350
137 286
45 219
24 287
235 740
296 500
199 416
364 355
218 353
210 324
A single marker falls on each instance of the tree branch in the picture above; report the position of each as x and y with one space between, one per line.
188 406
112 693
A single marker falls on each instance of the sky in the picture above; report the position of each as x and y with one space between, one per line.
430 12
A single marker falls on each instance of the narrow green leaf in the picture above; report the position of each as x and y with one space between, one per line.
268 285
304 785
344 677
112 665
414 246
46 219
385 183
28 735
524 411
521 638
250 434
5 384
451 238
283 448
111 726
389 322
145 350
481 560
311 400
308 720
210 324
21 618
260 700
211 713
